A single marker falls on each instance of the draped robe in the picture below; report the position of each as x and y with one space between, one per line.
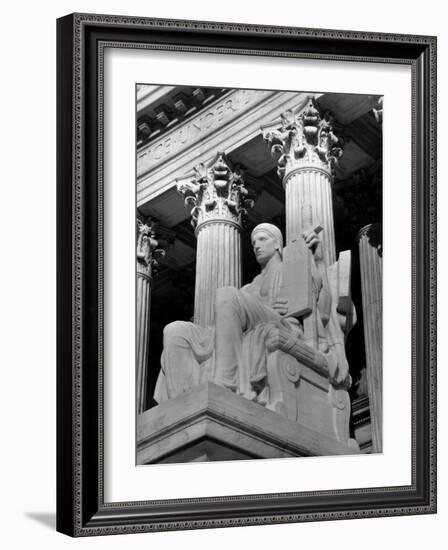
233 352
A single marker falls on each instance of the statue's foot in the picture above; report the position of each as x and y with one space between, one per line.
249 394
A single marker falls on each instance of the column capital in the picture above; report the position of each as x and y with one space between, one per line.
378 110
147 251
304 139
217 192
374 234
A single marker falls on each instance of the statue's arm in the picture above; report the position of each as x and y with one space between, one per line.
320 278
251 287
324 298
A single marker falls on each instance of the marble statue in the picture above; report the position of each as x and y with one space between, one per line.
279 341
252 329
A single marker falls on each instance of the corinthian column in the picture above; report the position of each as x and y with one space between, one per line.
146 262
219 198
371 286
307 151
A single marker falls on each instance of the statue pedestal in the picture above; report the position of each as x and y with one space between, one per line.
213 423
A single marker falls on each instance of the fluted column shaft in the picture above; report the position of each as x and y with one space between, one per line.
146 254
310 188
144 284
307 151
218 264
219 198
371 286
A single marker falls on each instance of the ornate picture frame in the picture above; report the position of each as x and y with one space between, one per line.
82 509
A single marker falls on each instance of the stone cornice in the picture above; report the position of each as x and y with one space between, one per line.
155 182
165 107
196 128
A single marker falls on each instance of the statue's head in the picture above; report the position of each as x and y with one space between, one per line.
267 241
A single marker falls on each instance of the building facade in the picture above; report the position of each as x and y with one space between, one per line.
212 164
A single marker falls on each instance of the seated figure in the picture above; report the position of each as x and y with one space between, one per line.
249 325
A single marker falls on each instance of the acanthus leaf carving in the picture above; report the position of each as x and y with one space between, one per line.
148 251
304 137
216 191
378 110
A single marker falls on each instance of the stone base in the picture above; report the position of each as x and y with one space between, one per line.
213 423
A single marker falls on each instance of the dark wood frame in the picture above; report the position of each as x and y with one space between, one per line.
81 510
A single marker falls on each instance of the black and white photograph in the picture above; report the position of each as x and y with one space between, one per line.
258 273
222 283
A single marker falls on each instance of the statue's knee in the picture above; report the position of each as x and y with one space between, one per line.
173 331
225 296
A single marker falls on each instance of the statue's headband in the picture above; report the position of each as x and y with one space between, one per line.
272 230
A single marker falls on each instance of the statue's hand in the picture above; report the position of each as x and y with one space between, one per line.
282 332
338 368
280 305
314 243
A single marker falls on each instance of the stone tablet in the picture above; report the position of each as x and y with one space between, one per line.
297 283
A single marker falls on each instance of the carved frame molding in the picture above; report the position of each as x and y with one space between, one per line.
81 39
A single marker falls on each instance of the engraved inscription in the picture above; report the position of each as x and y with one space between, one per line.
196 129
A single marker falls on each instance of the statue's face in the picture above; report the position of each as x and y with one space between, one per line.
265 246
